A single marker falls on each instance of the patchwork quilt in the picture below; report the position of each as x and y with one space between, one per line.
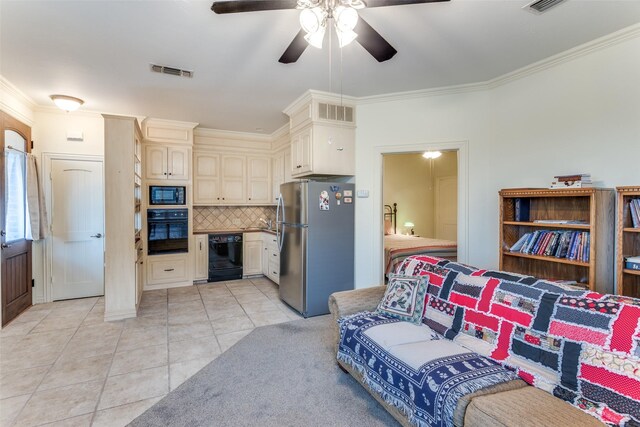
426 390
581 346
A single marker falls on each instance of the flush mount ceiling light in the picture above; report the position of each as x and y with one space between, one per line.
67 103
431 154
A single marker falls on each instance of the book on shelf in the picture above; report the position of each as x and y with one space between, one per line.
570 184
561 221
521 241
632 263
634 207
578 180
521 208
572 245
573 177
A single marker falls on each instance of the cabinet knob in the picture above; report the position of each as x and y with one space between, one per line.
218 198
169 173
249 198
164 173
223 198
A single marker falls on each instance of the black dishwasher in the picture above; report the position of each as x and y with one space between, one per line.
225 257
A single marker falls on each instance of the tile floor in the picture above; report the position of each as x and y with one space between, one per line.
62 365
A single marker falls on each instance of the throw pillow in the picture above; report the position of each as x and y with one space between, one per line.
404 298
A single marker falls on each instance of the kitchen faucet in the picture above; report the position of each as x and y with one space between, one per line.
266 222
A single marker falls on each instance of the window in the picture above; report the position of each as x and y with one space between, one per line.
16 189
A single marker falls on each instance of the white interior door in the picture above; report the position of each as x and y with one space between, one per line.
77 256
446 207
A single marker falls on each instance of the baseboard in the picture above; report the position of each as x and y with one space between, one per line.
166 286
119 315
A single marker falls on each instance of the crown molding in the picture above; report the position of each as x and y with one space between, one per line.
584 49
318 95
7 91
422 93
230 135
601 43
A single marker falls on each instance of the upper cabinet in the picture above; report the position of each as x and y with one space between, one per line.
258 179
167 149
231 179
162 162
322 136
206 178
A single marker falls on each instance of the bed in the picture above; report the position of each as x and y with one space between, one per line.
399 246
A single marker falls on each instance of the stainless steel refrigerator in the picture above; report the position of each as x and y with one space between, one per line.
316 239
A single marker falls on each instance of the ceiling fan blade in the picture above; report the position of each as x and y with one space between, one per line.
236 6
295 49
382 3
373 42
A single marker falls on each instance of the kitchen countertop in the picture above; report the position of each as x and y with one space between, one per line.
236 230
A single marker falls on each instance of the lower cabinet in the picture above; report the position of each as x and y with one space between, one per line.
201 258
251 254
162 269
273 254
260 255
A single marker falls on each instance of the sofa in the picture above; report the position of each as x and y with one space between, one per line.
517 350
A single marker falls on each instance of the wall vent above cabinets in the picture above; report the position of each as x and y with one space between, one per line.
338 113
170 70
541 6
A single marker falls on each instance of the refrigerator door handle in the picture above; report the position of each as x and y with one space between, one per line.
279 223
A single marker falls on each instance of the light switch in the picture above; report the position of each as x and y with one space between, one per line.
75 135
362 193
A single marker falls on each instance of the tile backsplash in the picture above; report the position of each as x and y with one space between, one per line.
230 217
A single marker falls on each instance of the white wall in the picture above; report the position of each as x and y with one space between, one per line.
49 134
578 115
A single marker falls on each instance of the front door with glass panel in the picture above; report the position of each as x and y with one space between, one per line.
15 248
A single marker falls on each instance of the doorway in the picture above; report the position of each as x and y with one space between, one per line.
75 251
378 214
15 253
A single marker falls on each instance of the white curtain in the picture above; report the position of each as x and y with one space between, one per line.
35 202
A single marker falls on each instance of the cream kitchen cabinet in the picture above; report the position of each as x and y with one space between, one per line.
162 162
168 269
201 258
206 178
231 179
258 180
323 149
251 254
273 255
301 152
281 172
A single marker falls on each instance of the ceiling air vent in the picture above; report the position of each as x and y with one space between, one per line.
541 6
171 70
338 113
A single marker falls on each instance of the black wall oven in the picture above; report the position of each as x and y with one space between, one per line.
167 195
168 231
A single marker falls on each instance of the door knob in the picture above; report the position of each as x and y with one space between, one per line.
4 246
99 235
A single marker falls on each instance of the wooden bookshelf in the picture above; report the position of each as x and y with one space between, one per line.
593 207
627 243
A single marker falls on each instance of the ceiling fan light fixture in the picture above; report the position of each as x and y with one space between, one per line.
312 19
67 103
346 18
345 37
315 39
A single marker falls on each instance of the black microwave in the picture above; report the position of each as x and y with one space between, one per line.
166 195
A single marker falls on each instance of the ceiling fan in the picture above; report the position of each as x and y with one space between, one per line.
313 19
